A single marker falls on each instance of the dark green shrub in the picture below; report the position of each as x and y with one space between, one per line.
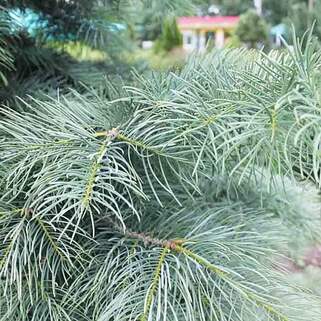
170 38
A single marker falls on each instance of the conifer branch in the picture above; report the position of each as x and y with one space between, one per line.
48 145
50 239
234 128
153 288
137 143
96 165
7 250
273 122
268 308
175 245
6 253
93 172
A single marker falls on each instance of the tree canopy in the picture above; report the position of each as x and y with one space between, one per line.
252 29
170 37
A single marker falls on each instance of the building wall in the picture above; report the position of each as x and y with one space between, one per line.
189 40
219 38
195 40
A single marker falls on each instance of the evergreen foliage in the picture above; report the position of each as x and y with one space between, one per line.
168 200
6 60
34 66
231 7
252 29
295 13
170 37
302 18
277 10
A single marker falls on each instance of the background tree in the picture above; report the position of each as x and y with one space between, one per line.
170 37
228 7
148 27
294 13
275 11
150 19
6 60
252 29
40 60
302 18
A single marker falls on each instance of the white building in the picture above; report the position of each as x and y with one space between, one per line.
198 32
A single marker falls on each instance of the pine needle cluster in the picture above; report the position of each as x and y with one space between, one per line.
171 200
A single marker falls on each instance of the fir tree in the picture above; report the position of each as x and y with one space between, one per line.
38 62
252 29
168 200
170 38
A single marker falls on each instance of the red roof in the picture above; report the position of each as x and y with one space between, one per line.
207 21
